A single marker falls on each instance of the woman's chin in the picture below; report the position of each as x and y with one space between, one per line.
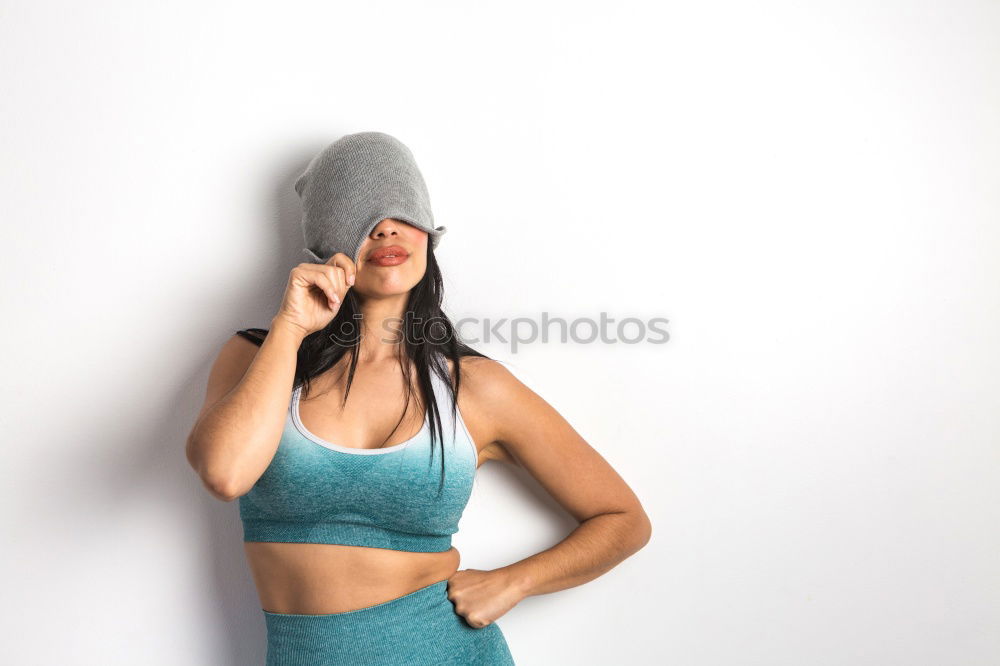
383 291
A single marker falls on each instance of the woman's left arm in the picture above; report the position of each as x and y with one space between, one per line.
523 429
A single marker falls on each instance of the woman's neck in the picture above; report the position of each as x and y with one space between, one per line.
382 328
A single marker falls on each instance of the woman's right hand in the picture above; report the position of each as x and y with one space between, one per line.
315 293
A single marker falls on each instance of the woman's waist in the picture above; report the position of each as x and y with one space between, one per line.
313 579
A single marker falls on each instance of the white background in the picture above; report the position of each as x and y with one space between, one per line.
807 191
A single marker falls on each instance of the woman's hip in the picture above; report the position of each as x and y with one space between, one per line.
421 627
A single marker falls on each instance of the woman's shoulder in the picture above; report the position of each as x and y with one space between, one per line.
472 364
489 392
484 378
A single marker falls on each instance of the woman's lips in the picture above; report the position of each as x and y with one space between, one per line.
388 256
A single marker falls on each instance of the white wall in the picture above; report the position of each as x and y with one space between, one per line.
808 191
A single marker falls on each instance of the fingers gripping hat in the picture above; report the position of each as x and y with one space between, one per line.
355 183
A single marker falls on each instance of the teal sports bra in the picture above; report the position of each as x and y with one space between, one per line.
315 491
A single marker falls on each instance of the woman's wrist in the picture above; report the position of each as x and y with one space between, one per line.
518 578
285 328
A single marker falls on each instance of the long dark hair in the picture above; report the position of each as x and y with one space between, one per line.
427 337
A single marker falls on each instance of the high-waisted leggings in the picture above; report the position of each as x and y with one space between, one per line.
416 629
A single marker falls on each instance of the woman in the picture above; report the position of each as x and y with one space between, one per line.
348 505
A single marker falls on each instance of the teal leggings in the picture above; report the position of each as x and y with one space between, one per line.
416 629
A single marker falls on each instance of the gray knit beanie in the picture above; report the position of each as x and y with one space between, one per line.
355 183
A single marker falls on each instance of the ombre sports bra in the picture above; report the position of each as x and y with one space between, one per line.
315 491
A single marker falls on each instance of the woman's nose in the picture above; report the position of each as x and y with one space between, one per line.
385 227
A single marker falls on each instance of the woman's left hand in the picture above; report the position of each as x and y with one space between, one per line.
481 597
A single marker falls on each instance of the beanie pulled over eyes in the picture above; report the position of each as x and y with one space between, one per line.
355 183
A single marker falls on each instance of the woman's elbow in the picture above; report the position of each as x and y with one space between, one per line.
218 485
643 530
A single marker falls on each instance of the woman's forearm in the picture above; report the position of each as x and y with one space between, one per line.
596 546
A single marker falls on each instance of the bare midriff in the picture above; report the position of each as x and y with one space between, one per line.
319 578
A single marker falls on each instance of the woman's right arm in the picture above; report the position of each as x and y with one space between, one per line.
239 428
240 424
